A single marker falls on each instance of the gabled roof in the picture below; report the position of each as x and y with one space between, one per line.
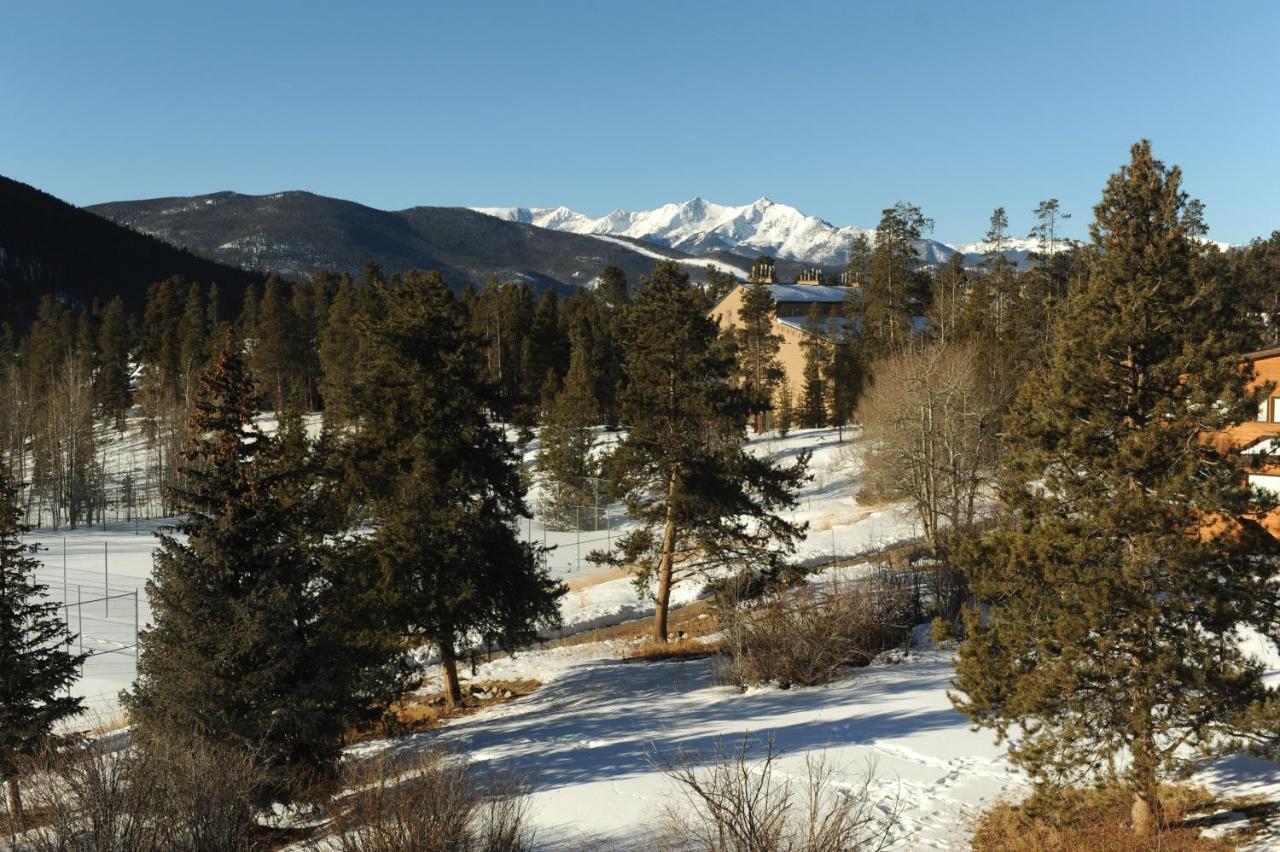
1262 354
807 292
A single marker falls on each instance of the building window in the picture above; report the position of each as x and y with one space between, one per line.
1275 409
1262 410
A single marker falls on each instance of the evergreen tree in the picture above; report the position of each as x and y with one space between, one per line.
716 284
1048 214
813 395
276 355
307 305
193 338
441 484
242 653
1110 604
895 290
785 407
161 347
612 287
1001 278
35 666
845 377
340 349
596 328
568 472
248 321
111 385
858 267
547 348
701 500
757 345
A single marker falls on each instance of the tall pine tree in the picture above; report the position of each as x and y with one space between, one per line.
701 499
240 654
757 346
568 471
1110 604
35 666
441 483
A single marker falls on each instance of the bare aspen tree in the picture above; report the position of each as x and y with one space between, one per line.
929 435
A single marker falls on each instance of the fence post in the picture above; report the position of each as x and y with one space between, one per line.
80 619
106 584
136 649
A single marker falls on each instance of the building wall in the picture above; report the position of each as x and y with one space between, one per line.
790 351
1267 424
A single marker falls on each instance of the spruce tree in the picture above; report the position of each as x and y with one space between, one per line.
546 349
895 290
568 471
701 500
193 338
813 394
858 267
611 287
340 350
111 384
441 484
276 354
1110 605
785 407
35 666
757 345
241 653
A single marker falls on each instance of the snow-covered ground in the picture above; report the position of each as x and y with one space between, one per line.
585 741
585 738
107 566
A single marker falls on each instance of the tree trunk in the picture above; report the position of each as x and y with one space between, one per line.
666 565
1144 814
449 665
14 799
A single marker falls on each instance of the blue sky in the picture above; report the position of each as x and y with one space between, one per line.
840 109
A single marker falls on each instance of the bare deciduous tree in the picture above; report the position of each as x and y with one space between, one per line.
929 434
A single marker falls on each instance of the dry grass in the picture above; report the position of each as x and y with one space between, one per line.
686 647
427 711
689 621
1097 820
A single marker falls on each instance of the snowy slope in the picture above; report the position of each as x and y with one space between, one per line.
585 740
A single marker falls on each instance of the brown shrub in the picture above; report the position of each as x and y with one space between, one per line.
806 636
430 804
1094 819
157 799
731 803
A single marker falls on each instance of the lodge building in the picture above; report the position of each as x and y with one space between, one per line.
1261 436
793 302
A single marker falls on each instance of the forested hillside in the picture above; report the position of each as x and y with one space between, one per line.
51 248
297 234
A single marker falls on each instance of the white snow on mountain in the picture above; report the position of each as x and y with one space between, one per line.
700 227
1029 244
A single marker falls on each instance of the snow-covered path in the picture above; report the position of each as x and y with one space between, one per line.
586 737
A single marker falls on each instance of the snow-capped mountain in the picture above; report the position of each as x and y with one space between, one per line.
700 227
